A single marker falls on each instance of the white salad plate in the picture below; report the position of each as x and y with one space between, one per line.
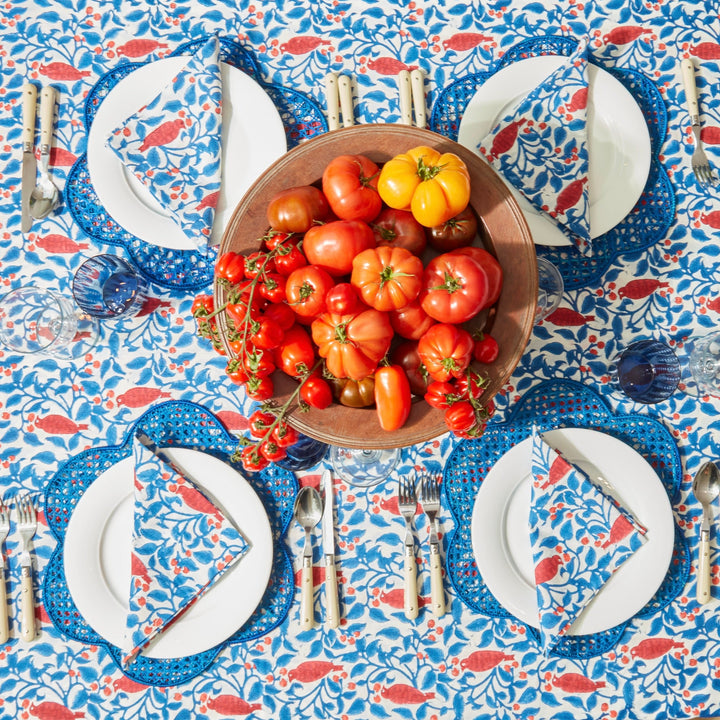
98 546
618 141
501 538
253 137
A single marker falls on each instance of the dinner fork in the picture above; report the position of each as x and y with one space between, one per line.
700 164
4 530
407 504
27 525
430 501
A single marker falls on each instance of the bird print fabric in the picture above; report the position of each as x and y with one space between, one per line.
173 145
541 148
579 537
182 544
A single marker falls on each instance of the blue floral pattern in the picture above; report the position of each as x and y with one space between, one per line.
579 537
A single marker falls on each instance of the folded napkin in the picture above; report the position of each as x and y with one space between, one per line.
579 536
173 145
541 148
182 544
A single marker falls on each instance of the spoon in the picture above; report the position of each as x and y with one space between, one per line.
45 195
308 511
706 487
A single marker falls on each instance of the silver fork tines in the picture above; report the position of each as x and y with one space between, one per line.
27 525
4 530
407 504
430 500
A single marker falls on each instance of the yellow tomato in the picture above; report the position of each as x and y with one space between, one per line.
433 186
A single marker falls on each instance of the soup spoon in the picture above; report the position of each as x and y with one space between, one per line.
308 511
706 487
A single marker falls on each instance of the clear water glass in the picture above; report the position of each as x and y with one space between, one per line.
648 371
550 288
704 363
363 467
106 286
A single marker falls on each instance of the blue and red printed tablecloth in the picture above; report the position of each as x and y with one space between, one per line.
465 665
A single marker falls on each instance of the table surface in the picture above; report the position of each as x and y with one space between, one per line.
377 664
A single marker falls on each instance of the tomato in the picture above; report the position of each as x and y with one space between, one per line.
446 351
406 356
295 354
281 314
392 397
492 269
461 416
257 263
297 209
258 362
273 287
471 385
284 435
265 334
252 459
333 245
230 266
440 395
203 305
271 451
342 299
316 392
486 349
398 228
350 186
306 289
411 321
275 239
456 232
434 186
236 372
259 388
387 278
259 423
354 344
289 257
354 393
455 288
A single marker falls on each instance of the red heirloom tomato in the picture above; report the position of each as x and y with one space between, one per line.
392 397
455 288
460 417
491 267
354 344
306 289
446 351
295 354
441 395
454 233
297 209
387 278
406 356
342 299
350 186
333 245
398 228
411 321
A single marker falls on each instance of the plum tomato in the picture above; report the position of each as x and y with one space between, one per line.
392 397
446 351
398 228
492 269
349 183
306 289
333 246
454 233
297 209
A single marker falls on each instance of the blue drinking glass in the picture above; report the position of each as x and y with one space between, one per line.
304 454
107 286
648 371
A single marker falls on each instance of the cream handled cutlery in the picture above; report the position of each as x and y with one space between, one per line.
308 511
407 504
417 83
328 535
405 92
27 525
29 102
45 196
706 487
338 96
4 530
430 501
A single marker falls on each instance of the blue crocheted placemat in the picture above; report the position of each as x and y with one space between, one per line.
186 425
647 222
189 270
550 405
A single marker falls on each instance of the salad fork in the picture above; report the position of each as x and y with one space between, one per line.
4 530
407 504
430 501
700 164
27 525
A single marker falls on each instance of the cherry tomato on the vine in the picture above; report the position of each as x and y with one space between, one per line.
230 266
259 423
252 459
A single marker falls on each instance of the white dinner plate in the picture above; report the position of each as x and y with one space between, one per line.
97 557
618 141
253 137
501 539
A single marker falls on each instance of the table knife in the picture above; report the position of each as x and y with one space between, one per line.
29 102
333 101
328 534
405 92
417 83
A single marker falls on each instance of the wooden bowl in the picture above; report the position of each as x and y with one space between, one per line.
504 233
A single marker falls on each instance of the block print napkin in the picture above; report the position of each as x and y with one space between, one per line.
181 545
173 145
579 536
541 148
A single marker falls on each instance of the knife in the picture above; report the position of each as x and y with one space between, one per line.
333 102
328 535
29 101
417 83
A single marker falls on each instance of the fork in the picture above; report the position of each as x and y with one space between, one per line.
700 164
4 530
407 504
27 525
430 501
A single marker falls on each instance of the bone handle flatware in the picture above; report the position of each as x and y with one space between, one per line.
688 75
405 93
29 105
417 82
333 102
346 102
